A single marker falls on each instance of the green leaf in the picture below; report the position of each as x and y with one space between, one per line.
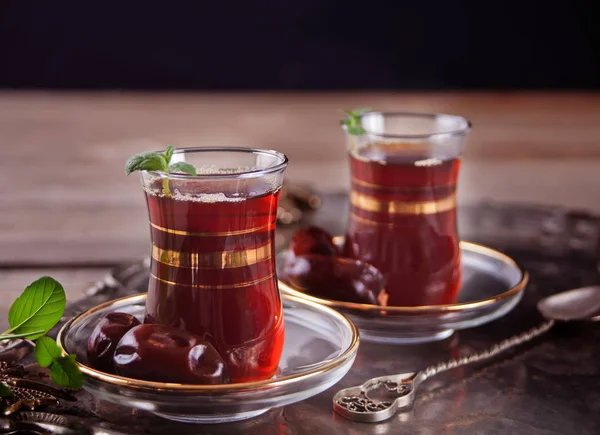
169 153
65 372
353 122
358 112
5 390
356 130
148 161
39 308
46 351
5 336
166 189
183 167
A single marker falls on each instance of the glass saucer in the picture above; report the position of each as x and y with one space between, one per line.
492 285
319 349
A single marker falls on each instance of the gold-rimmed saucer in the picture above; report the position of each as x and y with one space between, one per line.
319 349
492 285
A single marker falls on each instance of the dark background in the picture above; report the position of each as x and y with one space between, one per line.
305 44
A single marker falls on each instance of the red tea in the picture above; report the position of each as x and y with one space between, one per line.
403 221
213 274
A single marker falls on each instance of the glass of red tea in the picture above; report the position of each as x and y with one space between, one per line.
404 170
213 254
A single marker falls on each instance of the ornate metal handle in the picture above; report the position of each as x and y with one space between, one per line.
490 352
355 404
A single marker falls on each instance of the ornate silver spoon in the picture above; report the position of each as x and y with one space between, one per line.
360 404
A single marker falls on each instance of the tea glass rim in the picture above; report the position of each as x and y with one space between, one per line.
254 173
467 125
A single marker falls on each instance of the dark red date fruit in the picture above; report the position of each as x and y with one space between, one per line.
105 337
336 278
313 240
163 354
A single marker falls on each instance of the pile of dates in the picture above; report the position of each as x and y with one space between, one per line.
315 266
121 344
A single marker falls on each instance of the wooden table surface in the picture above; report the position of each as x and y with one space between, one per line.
68 210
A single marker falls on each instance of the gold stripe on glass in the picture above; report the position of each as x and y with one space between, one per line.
375 205
363 220
394 188
212 260
217 287
215 234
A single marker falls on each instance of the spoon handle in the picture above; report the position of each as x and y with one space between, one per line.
354 403
490 352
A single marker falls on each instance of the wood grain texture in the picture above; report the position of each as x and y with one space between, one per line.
64 197
74 281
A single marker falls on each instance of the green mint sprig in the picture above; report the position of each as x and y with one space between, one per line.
31 316
352 121
5 390
159 161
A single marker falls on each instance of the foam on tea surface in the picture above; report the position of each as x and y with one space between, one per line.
214 170
207 190
206 197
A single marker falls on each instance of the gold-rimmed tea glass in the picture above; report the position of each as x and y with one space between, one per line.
213 254
404 171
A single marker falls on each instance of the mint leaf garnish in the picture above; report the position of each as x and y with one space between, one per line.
5 390
157 161
183 167
352 121
31 316
46 351
63 369
356 131
358 112
38 309
148 161
6 336
168 153
65 372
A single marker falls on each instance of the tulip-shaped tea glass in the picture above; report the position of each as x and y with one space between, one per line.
402 219
213 254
